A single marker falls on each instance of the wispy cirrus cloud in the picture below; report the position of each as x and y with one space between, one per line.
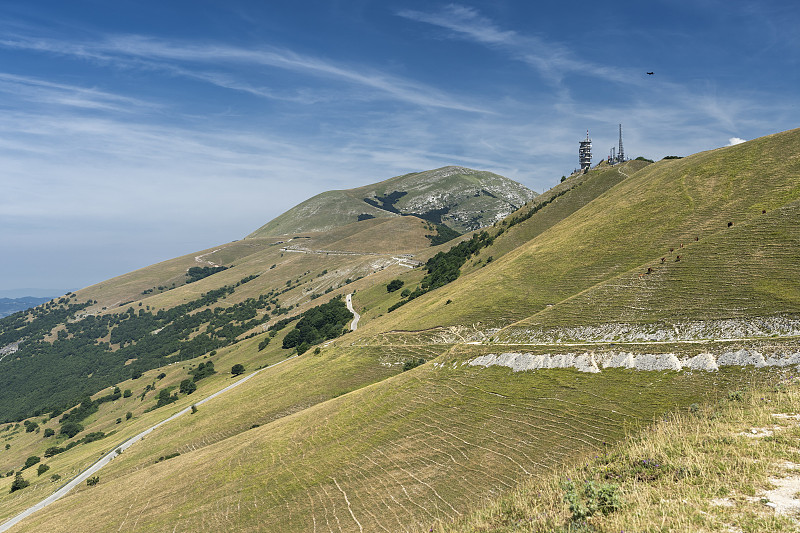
61 94
552 60
141 51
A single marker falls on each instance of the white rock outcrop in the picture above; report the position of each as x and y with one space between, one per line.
592 362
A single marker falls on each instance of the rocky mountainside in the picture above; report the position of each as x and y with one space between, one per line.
458 197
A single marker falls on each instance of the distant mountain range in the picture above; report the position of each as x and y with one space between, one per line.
9 306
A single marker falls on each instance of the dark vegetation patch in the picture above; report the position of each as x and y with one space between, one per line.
90 353
387 201
445 267
198 273
203 370
394 285
443 234
318 324
365 216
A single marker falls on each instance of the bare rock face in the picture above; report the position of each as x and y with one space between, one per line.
591 362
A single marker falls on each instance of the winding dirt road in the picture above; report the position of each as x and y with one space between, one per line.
354 324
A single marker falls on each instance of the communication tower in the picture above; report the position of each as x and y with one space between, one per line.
585 153
620 152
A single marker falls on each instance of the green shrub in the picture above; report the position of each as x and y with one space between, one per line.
42 469
19 483
237 369
92 481
735 396
413 363
187 386
30 461
590 499
394 285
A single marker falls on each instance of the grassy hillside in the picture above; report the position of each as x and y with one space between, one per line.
630 227
392 427
675 475
461 198
154 316
385 456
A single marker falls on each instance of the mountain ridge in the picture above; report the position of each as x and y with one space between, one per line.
458 197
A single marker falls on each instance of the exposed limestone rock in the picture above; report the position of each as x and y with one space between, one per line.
591 362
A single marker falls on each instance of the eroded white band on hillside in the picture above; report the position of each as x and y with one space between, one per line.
594 362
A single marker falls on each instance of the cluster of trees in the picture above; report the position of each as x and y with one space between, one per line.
203 370
48 375
394 285
445 267
324 322
198 273
443 234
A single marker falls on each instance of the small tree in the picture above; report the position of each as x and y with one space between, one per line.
92 481
19 483
42 469
49 432
394 285
30 461
187 386
237 369
70 429
128 415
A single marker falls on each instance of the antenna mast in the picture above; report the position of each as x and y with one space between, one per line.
621 153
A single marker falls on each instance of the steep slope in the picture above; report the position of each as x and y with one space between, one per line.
425 412
461 198
405 453
108 332
728 208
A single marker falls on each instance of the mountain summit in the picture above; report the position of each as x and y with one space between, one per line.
458 197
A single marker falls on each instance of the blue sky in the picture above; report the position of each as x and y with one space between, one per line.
133 132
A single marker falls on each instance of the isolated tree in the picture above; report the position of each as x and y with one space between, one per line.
30 461
42 469
49 432
237 369
19 483
394 285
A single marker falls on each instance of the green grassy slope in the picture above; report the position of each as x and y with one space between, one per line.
461 198
346 441
631 226
318 268
721 466
404 453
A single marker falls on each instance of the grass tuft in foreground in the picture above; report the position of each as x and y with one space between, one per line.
727 466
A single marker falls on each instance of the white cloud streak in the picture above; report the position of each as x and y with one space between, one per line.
551 60
135 50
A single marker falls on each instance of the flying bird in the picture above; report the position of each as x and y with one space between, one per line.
650 73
